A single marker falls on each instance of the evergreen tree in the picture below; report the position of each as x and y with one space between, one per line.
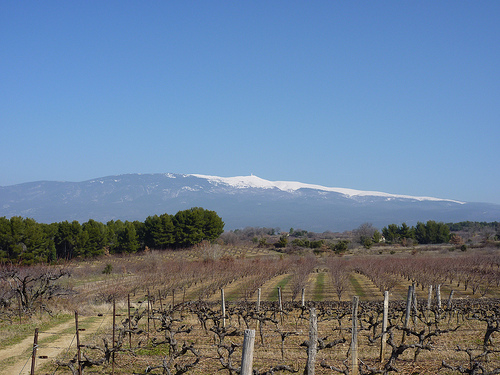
188 227
405 231
96 238
213 225
391 233
421 233
128 241
159 232
66 238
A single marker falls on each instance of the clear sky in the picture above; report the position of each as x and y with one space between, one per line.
395 96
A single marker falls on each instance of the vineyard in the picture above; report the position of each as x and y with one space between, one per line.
187 312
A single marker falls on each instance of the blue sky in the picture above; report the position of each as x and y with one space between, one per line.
394 96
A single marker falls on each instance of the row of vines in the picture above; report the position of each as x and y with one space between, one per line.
194 337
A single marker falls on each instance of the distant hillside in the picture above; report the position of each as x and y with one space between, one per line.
240 201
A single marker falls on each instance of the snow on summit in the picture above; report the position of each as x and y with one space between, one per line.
242 182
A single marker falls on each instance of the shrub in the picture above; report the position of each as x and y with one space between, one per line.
107 270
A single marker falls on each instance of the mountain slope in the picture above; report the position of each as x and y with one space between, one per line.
240 201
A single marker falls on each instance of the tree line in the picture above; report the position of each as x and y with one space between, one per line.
25 241
431 232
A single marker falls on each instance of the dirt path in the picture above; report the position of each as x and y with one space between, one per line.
51 343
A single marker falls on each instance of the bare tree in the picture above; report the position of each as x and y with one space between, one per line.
33 284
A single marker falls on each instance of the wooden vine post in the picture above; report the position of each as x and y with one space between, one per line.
354 339
149 314
247 352
450 300
429 298
114 329
280 305
78 351
223 307
383 340
303 299
33 355
438 295
409 299
313 342
20 311
129 323
280 302
259 292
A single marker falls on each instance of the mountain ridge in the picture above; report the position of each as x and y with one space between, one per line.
241 201
249 181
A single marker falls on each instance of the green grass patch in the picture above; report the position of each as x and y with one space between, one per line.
12 334
273 296
83 324
10 362
160 350
357 288
319 287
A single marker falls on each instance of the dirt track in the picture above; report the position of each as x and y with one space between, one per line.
19 355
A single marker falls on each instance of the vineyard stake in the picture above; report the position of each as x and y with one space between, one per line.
78 352
280 305
354 340
33 355
450 298
113 355
409 298
313 341
429 298
259 292
148 315
438 295
183 300
415 298
152 310
247 352
279 299
20 311
303 297
223 307
384 326
129 323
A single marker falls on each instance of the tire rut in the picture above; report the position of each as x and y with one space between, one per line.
48 348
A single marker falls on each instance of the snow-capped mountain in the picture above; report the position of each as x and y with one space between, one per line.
252 181
240 201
